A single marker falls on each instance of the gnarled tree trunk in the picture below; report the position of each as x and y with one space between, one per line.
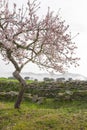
23 87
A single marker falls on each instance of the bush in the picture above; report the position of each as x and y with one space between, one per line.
72 90
9 86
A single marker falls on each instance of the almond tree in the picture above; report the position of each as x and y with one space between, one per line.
25 37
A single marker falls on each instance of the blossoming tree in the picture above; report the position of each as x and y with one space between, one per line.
24 37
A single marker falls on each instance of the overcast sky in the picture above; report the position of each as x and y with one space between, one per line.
74 13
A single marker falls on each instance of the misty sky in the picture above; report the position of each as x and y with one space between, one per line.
74 13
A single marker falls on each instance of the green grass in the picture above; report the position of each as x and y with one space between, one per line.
48 116
13 80
8 80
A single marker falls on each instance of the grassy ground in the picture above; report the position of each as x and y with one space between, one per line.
13 80
49 116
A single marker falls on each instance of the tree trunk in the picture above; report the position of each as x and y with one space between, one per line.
21 92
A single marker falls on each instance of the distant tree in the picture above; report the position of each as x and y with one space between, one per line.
25 37
36 80
46 79
60 79
26 78
70 79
